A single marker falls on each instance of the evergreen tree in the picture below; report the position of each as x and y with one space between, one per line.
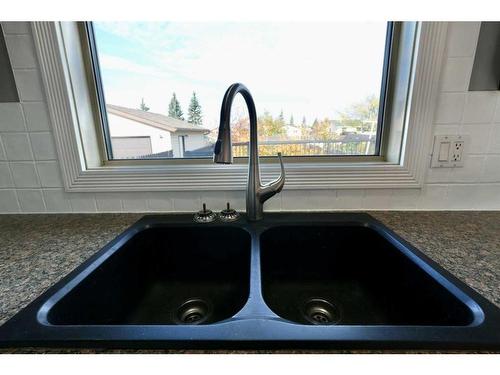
174 108
194 111
291 121
281 118
143 106
305 131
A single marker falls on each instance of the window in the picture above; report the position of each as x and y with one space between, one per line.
81 102
319 88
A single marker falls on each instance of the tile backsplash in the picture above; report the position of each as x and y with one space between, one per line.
30 178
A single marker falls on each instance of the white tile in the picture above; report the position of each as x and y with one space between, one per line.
186 201
349 199
462 38
479 137
5 178
491 170
489 197
37 117
82 202
17 146
433 197
377 199
43 146
323 199
479 107
57 200
24 175
449 108
15 27
160 202
462 197
440 129
31 200
470 172
306 200
21 51
50 174
496 116
237 199
2 150
438 175
494 146
456 74
108 202
295 200
405 199
11 117
134 202
28 85
8 201
215 200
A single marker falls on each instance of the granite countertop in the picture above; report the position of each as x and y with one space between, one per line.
38 250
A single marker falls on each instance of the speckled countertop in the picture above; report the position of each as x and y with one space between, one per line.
38 250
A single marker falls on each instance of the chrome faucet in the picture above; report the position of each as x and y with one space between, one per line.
257 193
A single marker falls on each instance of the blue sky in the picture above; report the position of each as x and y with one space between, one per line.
304 69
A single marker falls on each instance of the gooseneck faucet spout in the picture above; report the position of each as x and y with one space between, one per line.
257 193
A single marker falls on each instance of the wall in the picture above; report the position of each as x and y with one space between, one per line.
193 141
30 178
123 127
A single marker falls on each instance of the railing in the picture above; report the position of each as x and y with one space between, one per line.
307 148
287 148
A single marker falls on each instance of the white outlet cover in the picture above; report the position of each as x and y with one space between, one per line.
444 149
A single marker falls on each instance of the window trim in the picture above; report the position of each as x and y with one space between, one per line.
195 175
88 38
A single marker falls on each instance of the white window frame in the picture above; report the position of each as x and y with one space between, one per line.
73 120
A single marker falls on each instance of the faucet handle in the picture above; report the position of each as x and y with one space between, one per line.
274 187
281 178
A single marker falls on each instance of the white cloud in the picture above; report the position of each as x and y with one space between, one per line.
311 69
119 64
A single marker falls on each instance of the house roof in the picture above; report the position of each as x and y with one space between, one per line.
156 120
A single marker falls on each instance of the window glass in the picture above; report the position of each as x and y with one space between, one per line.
316 86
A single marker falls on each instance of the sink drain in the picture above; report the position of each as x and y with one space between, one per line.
193 311
320 312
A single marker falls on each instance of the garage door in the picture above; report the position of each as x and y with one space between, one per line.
130 147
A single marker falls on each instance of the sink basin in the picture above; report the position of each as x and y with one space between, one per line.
350 275
291 280
164 276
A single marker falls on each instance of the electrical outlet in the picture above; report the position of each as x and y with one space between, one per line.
448 151
456 151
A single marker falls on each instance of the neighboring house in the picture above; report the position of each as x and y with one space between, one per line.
336 126
339 127
293 131
136 133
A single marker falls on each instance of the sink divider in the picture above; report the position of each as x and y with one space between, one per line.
255 306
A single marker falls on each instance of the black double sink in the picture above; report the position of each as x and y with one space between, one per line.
294 280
